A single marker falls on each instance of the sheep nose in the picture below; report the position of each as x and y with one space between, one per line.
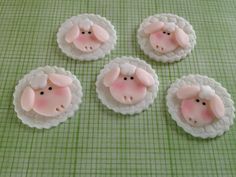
128 99
88 48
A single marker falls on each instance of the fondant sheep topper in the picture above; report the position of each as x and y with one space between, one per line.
166 37
87 36
200 105
48 94
127 83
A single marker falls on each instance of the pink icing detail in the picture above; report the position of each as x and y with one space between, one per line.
52 100
128 89
87 42
130 93
163 41
195 113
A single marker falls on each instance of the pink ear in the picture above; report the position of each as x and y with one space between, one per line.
144 77
153 27
72 34
27 99
60 80
188 91
111 76
217 106
100 33
182 38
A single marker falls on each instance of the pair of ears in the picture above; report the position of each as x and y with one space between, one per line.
28 95
100 33
180 36
215 102
143 76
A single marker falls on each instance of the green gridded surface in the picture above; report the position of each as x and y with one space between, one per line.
96 141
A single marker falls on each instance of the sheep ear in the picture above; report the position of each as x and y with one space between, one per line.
217 106
72 34
153 27
144 77
60 80
111 76
188 91
100 33
181 38
27 99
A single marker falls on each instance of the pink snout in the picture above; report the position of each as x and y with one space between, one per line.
127 90
163 41
197 112
52 100
87 42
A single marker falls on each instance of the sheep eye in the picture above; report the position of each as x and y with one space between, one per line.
168 33
131 78
49 88
125 78
197 100
83 32
41 93
203 103
89 32
164 32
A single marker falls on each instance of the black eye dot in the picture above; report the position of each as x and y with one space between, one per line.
125 78
168 33
49 88
197 100
131 78
164 32
89 32
41 93
83 32
203 103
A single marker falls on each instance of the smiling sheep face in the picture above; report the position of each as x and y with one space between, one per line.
128 84
166 37
87 36
200 106
50 99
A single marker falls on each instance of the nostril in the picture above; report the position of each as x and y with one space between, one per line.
62 106
91 47
157 46
131 98
190 119
125 97
57 109
162 48
195 121
86 47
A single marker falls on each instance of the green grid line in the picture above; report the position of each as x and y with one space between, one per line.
96 141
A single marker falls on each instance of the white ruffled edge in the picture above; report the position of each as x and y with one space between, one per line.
35 120
176 55
106 98
218 127
71 51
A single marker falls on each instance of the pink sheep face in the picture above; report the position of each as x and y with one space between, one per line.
52 100
166 37
87 38
197 112
128 90
163 41
87 42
